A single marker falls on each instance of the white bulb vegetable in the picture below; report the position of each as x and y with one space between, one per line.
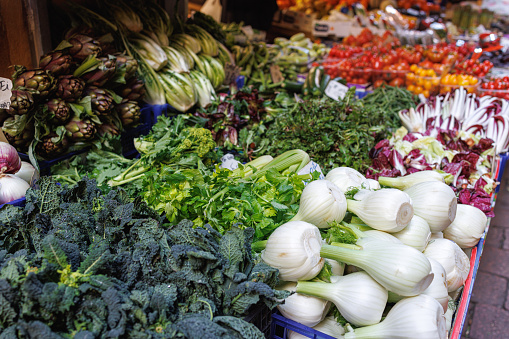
435 202
416 234
408 181
380 235
347 178
468 226
438 287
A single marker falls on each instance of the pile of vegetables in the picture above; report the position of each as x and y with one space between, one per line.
77 263
83 93
403 248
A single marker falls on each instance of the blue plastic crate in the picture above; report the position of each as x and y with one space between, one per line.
281 325
45 165
19 202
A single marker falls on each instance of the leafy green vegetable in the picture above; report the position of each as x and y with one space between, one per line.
86 264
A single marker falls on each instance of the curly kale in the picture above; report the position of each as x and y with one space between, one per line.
84 264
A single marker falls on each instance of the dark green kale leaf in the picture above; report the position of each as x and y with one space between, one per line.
241 328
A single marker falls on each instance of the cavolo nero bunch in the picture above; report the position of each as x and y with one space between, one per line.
75 263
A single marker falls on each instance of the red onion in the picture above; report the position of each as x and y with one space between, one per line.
11 188
9 159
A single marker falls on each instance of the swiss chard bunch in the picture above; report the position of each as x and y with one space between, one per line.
77 263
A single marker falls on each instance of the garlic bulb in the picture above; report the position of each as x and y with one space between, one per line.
454 261
301 308
380 235
388 209
438 287
294 249
408 181
358 297
329 326
347 178
399 268
416 234
420 317
468 226
321 203
435 202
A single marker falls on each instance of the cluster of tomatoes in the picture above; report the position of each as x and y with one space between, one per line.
343 52
474 67
422 81
368 40
496 88
452 81
423 5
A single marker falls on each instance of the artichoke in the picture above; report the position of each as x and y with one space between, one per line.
134 90
83 46
21 102
127 64
23 139
37 81
81 29
102 101
109 128
60 111
70 88
80 130
50 147
57 62
103 73
129 113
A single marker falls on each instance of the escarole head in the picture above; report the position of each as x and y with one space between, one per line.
321 203
294 249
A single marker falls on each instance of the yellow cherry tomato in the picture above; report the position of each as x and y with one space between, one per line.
411 88
426 93
414 67
428 85
435 81
418 90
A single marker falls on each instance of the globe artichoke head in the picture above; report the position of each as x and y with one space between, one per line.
80 130
51 146
103 73
36 81
134 90
21 102
83 46
60 111
70 88
81 29
129 113
126 63
109 128
102 101
23 139
57 62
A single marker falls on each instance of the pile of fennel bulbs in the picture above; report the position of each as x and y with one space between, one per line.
403 242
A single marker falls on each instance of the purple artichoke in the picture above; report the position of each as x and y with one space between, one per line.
21 102
80 130
134 90
102 101
60 111
57 62
83 29
37 81
127 64
23 139
83 46
129 113
70 88
103 73
50 148
109 128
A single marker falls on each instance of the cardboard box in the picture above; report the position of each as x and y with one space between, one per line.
297 21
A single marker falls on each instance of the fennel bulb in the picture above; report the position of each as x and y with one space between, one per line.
301 308
294 249
468 226
388 209
408 181
321 203
420 317
337 268
435 202
454 261
380 235
438 287
347 178
416 234
358 297
451 309
373 184
437 235
397 267
329 326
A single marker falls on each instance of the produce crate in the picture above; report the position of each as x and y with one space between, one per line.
149 116
19 202
500 93
281 325
260 316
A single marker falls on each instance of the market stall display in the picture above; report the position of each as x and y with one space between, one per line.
272 179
